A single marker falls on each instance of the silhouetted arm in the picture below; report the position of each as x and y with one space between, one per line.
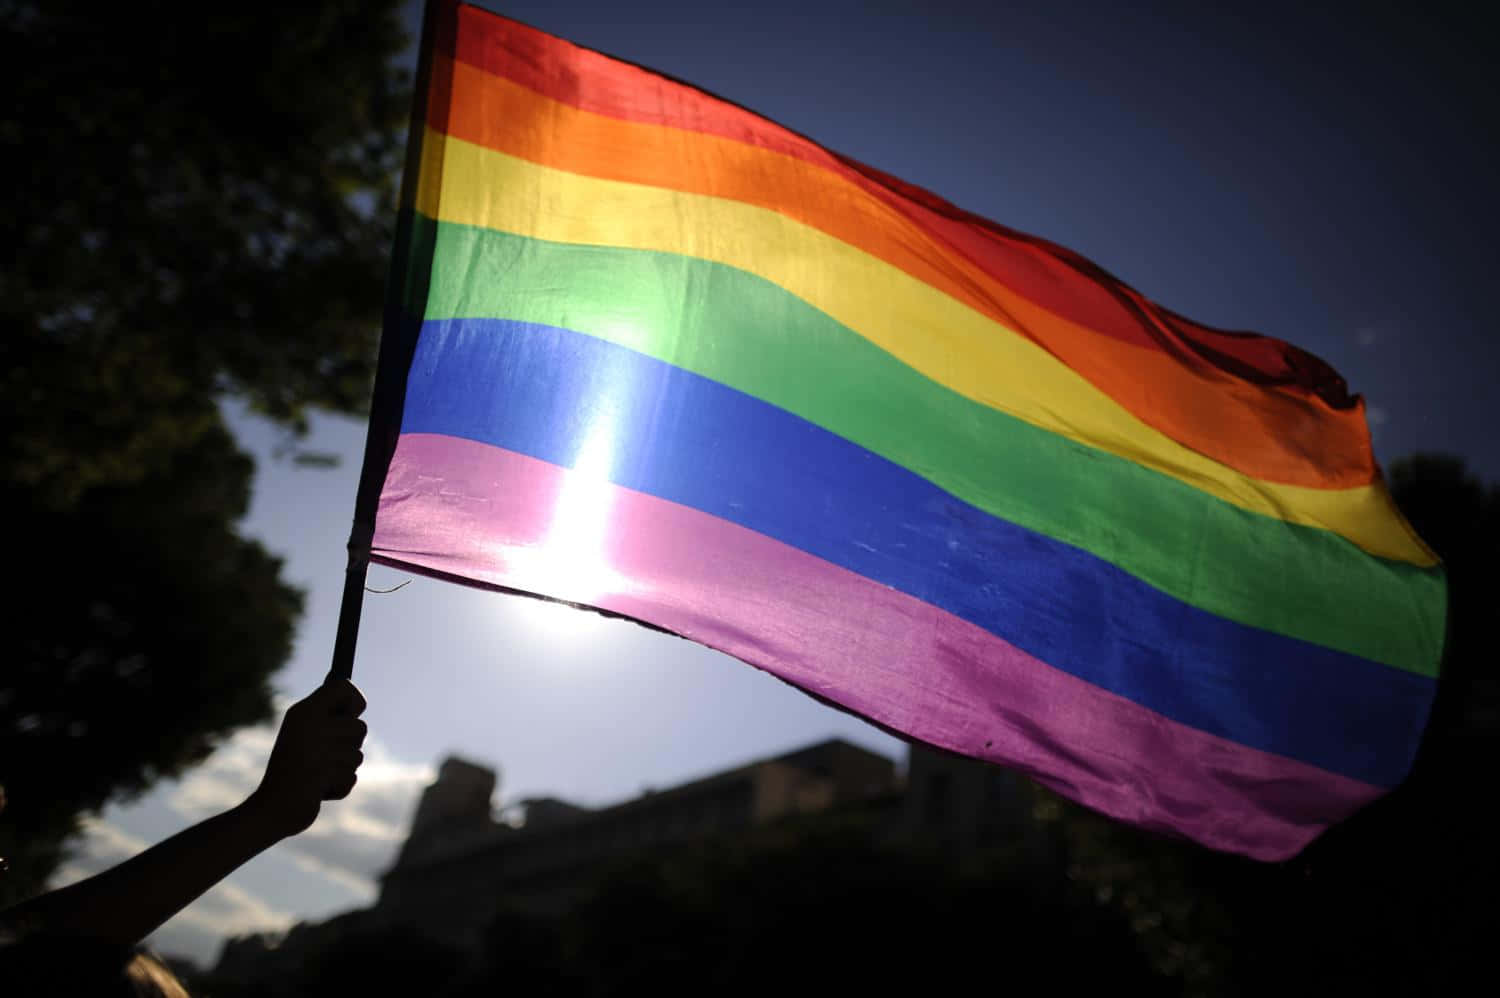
314 759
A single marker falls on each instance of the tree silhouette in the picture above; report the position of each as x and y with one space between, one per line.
201 196
1399 898
1460 519
381 962
145 628
809 907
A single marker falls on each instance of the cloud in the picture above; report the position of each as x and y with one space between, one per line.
225 778
229 910
110 840
334 863
356 839
101 846
352 841
226 905
104 845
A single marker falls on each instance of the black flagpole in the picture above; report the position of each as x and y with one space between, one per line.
405 299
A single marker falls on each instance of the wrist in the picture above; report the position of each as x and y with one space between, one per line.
264 819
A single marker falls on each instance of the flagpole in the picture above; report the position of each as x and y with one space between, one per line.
405 299
349 612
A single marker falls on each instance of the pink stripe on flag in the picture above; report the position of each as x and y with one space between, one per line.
476 512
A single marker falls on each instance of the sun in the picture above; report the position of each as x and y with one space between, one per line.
572 561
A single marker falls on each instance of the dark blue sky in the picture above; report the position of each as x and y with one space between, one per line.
1322 178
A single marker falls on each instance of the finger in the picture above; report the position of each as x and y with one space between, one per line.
344 732
344 698
342 787
346 762
337 697
352 732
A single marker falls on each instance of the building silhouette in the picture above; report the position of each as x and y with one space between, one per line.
459 864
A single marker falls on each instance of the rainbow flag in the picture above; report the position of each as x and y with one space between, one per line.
653 353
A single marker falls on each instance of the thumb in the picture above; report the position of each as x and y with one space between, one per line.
338 697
